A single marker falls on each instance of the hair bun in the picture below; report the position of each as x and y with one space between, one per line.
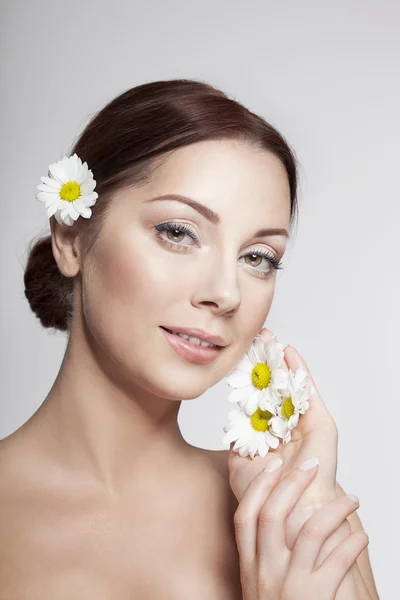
47 290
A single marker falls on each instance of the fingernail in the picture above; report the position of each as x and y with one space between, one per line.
273 465
353 497
308 464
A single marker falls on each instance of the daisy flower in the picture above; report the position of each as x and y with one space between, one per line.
67 192
258 378
294 403
251 433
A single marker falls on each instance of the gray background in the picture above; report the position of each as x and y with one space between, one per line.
327 75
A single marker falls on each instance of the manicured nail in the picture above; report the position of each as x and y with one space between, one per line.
273 465
308 464
353 498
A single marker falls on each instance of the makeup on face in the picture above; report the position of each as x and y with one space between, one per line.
191 351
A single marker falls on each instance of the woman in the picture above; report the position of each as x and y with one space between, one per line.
101 495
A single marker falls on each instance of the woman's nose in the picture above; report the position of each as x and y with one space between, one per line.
220 290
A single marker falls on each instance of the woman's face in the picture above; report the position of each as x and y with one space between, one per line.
139 278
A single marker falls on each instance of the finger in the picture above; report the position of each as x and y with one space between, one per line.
243 470
317 529
246 515
318 422
317 408
272 518
341 559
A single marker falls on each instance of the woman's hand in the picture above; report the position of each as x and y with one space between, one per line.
315 435
269 570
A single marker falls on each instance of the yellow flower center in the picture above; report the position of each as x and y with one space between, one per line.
70 191
288 408
259 419
261 376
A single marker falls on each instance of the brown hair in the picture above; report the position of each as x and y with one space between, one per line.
123 144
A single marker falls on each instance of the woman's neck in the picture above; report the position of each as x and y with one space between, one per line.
92 425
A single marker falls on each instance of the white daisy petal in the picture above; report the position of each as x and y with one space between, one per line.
58 173
73 212
43 196
58 217
46 188
64 163
64 212
253 352
280 379
272 440
72 168
260 346
87 188
262 352
301 377
253 446
230 436
52 183
275 353
278 426
239 394
52 209
244 450
68 220
241 441
238 379
263 449
87 213
251 404
264 401
236 415
83 173
89 200
79 206
269 400
244 364
253 452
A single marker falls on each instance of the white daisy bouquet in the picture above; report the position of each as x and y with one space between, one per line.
269 400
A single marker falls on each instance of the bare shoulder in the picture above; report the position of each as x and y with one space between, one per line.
218 461
11 467
20 468
8 447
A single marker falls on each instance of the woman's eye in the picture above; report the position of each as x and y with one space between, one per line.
257 261
176 233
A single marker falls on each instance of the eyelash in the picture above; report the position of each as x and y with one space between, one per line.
274 262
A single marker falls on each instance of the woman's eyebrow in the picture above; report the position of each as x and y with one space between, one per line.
212 216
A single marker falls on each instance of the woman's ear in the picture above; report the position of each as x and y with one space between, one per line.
64 242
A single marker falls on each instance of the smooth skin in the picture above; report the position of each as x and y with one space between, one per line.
272 571
101 496
293 535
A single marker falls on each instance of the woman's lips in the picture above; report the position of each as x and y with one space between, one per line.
191 352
